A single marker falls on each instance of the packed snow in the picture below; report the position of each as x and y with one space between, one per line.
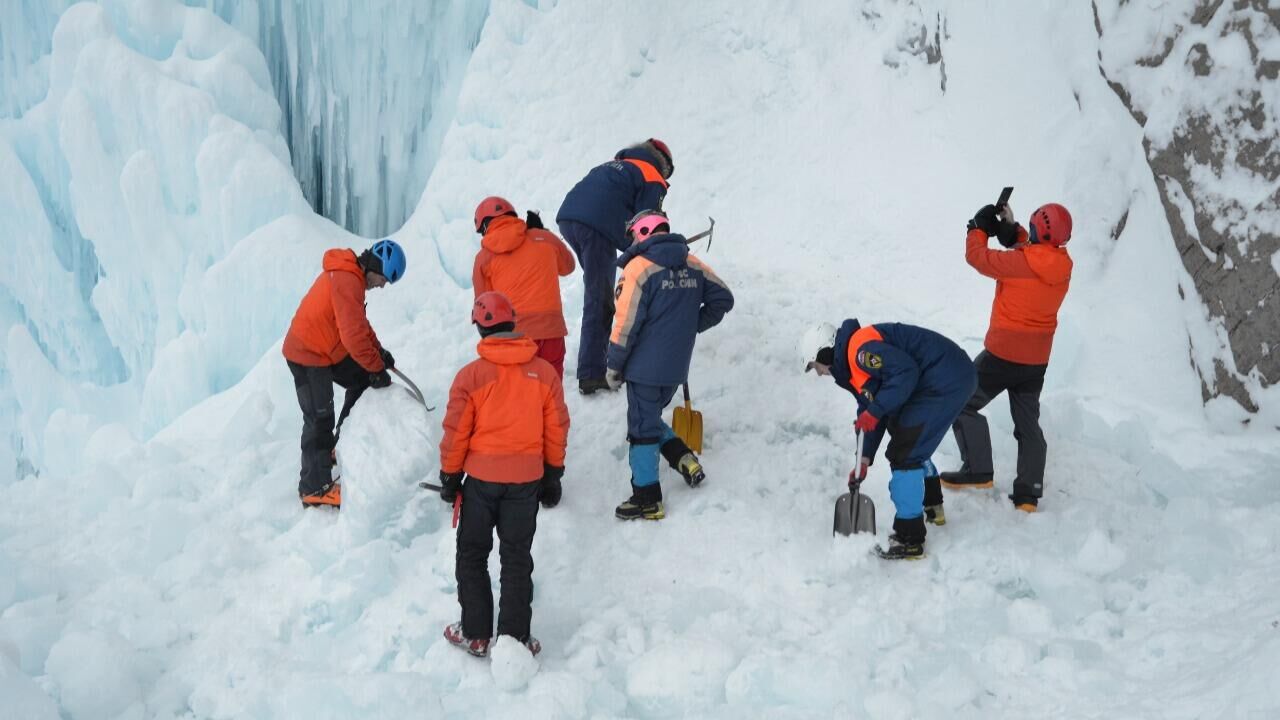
155 562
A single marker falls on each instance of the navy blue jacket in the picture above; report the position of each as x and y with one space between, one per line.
612 193
665 298
908 364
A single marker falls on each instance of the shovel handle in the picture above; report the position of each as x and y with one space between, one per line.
688 404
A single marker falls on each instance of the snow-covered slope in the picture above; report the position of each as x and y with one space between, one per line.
175 576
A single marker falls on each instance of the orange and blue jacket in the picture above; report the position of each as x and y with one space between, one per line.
506 415
611 193
330 322
526 266
665 298
1031 283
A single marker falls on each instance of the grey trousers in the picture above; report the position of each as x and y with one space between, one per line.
1023 383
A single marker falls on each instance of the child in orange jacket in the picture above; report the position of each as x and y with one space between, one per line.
524 261
505 430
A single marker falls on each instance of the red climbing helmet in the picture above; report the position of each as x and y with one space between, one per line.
491 207
1051 224
492 308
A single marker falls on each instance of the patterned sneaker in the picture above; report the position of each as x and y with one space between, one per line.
963 480
899 550
691 469
934 514
328 496
478 647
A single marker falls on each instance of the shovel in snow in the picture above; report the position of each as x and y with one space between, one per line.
686 423
855 512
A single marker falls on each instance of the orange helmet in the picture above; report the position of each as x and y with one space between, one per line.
492 308
491 207
1051 224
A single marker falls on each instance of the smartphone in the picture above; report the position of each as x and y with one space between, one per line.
1004 198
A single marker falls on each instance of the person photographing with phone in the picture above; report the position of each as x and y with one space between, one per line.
1032 276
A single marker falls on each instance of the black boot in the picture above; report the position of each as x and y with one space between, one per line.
906 542
967 479
933 513
680 457
587 386
645 503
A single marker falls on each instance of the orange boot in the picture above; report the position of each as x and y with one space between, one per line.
330 495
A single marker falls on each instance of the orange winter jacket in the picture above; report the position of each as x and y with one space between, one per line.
506 414
330 322
525 265
1031 283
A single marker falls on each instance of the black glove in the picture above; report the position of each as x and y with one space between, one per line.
986 220
379 379
450 484
533 221
1007 234
387 359
549 490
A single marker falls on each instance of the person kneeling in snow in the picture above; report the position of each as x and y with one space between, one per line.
330 341
505 430
912 382
665 298
524 261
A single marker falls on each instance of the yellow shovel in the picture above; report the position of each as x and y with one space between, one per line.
686 423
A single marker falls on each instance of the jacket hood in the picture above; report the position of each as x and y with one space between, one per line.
641 153
1050 264
342 259
667 250
505 235
507 349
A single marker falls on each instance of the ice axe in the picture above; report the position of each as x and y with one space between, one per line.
686 423
704 234
457 500
855 512
412 389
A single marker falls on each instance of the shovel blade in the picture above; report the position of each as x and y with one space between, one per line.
855 513
686 423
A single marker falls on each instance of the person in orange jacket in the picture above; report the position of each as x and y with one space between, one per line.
524 261
505 432
330 341
1032 278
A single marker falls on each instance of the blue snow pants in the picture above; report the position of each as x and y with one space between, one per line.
598 259
915 432
646 431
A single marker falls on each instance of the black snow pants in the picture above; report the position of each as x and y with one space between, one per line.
315 396
1023 383
513 509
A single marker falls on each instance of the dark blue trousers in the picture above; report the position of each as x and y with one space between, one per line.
597 257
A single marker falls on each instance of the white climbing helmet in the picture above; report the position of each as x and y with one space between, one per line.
815 338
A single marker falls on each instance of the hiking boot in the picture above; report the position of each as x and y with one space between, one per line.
968 480
587 386
645 503
691 469
900 550
478 647
1025 503
328 496
934 514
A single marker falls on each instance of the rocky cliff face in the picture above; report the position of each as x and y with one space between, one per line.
1200 77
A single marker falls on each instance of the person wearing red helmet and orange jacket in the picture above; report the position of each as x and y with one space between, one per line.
1032 278
524 261
505 431
330 341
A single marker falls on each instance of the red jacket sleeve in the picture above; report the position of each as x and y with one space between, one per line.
998 264
555 421
346 292
459 423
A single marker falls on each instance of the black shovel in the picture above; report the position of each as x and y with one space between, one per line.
855 512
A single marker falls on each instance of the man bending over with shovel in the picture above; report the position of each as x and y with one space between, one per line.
665 298
911 382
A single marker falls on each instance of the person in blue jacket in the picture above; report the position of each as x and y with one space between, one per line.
593 220
665 298
911 382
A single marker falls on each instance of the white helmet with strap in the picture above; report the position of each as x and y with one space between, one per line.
814 339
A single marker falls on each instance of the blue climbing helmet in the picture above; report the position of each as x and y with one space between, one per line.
391 256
